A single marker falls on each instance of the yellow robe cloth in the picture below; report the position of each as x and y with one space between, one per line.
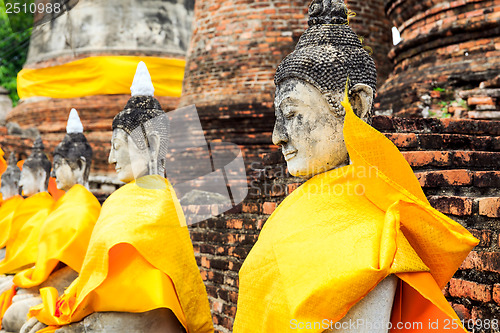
64 236
3 167
6 214
140 258
100 75
331 241
22 245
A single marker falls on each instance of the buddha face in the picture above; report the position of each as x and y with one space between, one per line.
309 133
130 161
64 174
9 187
30 182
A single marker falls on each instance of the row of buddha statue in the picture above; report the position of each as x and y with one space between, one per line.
357 243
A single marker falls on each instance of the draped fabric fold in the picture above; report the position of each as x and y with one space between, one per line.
331 241
64 236
100 75
22 245
139 258
7 210
3 167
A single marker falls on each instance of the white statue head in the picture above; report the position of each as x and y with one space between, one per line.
10 179
73 156
140 132
36 171
310 84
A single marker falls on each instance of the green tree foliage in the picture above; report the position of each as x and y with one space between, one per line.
15 32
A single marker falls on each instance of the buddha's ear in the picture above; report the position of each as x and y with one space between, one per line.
81 163
154 144
361 98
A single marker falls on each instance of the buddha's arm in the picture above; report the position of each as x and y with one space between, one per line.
373 313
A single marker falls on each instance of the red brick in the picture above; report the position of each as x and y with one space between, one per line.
445 178
480 100
205 262
269 207
496 293
403 140
234 223
460 206
473 261
250 207
489 207
472 290
484 237
462 311
487 179
426 158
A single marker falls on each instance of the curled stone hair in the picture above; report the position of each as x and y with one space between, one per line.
38 160
74 146
329 52
12 174
141 116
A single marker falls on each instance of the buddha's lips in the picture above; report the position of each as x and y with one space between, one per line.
289 154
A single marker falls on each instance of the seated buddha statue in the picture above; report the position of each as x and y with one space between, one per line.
22 242
139 273
65 234
357 247
11 191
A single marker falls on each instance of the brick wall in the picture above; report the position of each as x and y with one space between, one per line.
445 45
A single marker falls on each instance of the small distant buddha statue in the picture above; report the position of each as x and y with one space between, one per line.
22 243
332 255
66 232
11 199
139 273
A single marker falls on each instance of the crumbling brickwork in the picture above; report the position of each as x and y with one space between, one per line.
445 45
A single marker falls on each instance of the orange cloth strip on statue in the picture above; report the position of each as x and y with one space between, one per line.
22 245
64 236
6 214
139 258
331 241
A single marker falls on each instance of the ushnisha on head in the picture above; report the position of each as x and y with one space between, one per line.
73 156
10 179
310 84
36 170
140 132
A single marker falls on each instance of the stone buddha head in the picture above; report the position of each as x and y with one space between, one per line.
73 156
140 132
36 170
310 84
10 179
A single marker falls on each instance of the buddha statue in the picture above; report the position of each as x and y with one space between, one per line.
139 273
10 179
11 199
27 220
21 246
66 232
36 171
332 255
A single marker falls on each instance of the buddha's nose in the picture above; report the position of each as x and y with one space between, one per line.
53 173
280 135
111 158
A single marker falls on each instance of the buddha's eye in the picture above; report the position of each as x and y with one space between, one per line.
289 114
